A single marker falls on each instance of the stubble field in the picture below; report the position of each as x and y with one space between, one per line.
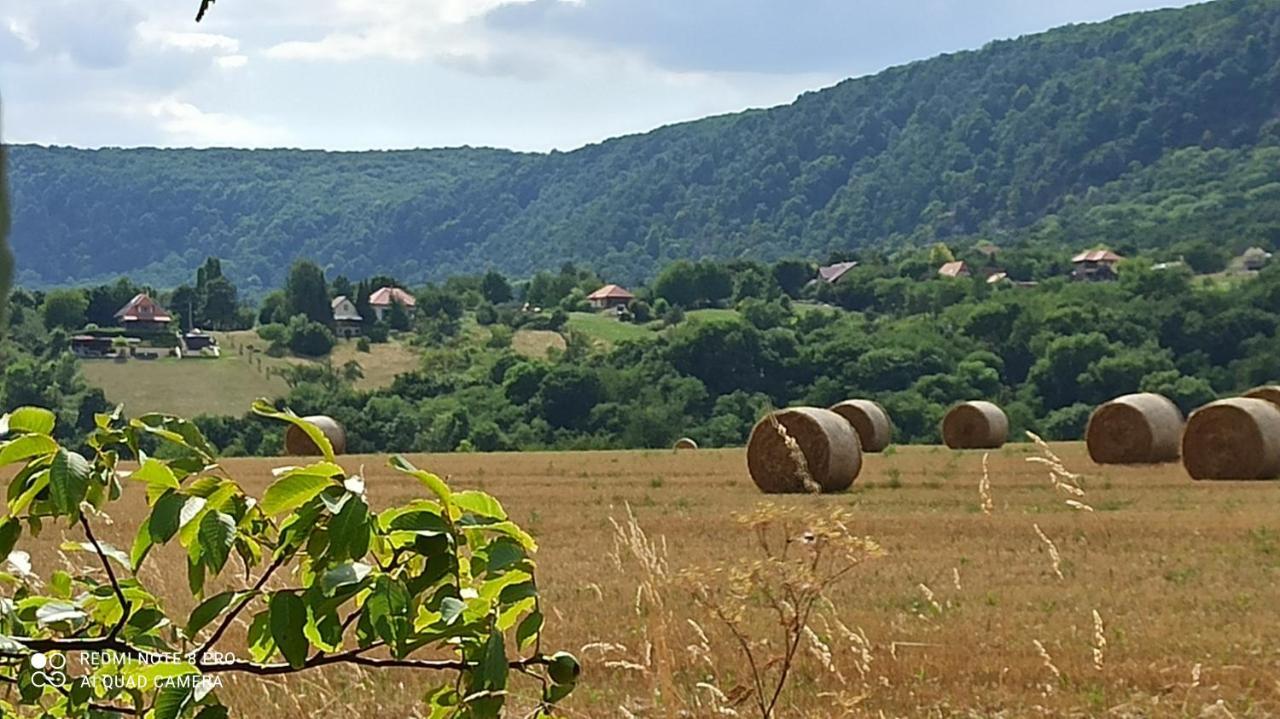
1184 576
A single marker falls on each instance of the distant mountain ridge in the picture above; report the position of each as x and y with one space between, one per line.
1141 131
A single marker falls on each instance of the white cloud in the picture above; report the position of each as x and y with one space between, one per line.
187 41
188 124
525 74
232 62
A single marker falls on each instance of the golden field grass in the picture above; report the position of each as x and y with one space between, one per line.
229 384
1185 576
184 387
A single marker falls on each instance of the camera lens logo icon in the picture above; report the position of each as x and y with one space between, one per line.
50 670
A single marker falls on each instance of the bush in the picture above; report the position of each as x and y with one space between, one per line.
380 332
273 332
640 311
310 339
486 314
362 344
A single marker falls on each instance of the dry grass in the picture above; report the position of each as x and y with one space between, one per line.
227 386
1186 575
537 344
185 387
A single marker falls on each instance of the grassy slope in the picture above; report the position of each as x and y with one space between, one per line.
606 328
227 386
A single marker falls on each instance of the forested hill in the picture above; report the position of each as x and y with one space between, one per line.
1170 115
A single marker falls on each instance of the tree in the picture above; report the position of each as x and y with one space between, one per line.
220 306
306 293
793 275
335 581
65 309
106 300
495 288
567 394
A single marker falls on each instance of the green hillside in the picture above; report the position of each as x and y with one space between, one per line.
1143 131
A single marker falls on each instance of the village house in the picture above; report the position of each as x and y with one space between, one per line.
831 274
1254 258
610 297
1096 265
954 270
382 300
143 315
347 322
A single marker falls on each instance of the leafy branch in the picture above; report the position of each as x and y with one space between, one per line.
445 574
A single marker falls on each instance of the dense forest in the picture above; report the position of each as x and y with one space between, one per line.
1142 132
713 346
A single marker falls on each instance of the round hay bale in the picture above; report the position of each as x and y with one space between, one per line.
869 420
298 444
684 443
1233 439
1270 393
975 425
1135 429
832 455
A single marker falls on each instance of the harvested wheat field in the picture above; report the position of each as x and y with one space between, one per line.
965 614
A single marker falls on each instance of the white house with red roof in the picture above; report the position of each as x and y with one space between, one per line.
143 314
382 300
610 296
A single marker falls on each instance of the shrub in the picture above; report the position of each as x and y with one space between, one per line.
310 339
273 332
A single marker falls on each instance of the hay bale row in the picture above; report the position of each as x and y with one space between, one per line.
824 452
1135 429
975 425
1270 393
870 421
298 444
1235 438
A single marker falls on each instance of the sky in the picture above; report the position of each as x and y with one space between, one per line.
522 74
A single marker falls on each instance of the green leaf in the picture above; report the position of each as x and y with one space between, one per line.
109 551
510 529
26 447
142 543
217 535
261 644
156 473
349 530
292 491
68 481
527 632
208 610
39 481
343 575
56 611
428 480
215 711
288 627
166 516
480 504
31 420
171 700
10 531
264 408
489 676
